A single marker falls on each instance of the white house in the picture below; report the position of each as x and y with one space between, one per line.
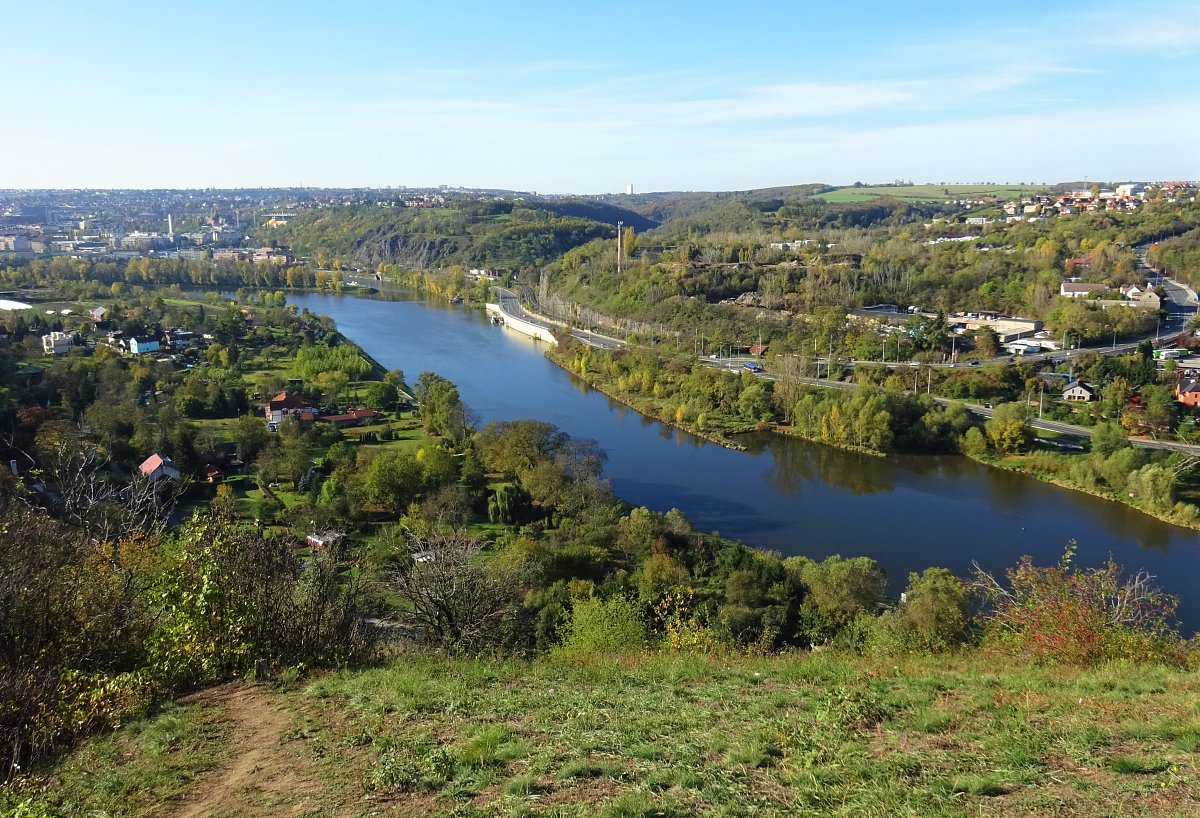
156 468
1079 289
56 343
1080 392
143 344
1144 296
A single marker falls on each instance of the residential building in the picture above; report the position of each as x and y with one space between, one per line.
354 417
283 406
322 540
1079 289
1187 391
1142 295
144 344
1080 392
16 244
157 468
56 343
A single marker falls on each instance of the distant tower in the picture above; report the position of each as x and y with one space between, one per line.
170 226
629 189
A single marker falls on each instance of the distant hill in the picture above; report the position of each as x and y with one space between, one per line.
470 232
927 193
599 210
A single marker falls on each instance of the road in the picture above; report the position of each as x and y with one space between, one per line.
510 304
986 411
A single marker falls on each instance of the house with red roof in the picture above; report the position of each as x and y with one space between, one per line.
353 417
283 405
157 468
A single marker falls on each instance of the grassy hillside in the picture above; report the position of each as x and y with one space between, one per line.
662 734
928 193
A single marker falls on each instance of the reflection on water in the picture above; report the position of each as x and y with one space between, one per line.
796 462
908 512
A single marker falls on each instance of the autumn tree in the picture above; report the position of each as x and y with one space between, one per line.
1008 428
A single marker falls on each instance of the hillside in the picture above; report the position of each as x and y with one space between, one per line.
470 233
669 734
928 192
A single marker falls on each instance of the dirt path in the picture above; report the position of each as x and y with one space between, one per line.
266 774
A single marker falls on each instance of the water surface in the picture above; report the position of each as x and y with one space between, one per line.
908 511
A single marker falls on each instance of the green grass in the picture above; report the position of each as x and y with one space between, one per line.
928 193
788 735
677 734
137 769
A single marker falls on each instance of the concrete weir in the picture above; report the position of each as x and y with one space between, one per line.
521 324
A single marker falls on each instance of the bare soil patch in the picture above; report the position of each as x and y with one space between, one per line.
266 774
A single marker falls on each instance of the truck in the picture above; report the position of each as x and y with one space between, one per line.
752 367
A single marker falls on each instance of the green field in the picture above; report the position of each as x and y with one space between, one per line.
928 193
670 734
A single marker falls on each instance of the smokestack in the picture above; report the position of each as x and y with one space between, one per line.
170 226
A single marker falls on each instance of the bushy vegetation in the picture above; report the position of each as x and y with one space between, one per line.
98 628
1065 614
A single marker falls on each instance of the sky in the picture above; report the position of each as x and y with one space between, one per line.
569 97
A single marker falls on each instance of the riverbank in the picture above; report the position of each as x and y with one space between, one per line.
647 408
1183 515
664 391
786 494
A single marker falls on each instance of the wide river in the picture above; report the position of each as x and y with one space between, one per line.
908 512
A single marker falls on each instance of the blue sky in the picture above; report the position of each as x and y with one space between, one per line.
567 97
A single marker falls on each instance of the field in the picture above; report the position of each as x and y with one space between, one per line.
668 734
929 193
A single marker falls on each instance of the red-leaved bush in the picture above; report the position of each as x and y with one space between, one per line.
1065 614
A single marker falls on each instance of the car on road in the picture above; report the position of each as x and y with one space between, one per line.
974 363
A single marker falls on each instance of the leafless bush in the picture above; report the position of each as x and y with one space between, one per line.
457 602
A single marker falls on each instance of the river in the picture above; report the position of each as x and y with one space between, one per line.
908 512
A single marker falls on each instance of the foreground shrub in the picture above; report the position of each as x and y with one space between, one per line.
1071 615
604 626
933 615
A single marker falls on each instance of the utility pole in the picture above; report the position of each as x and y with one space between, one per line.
620 244
929 380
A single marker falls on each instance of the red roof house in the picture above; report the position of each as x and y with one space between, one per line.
156 468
